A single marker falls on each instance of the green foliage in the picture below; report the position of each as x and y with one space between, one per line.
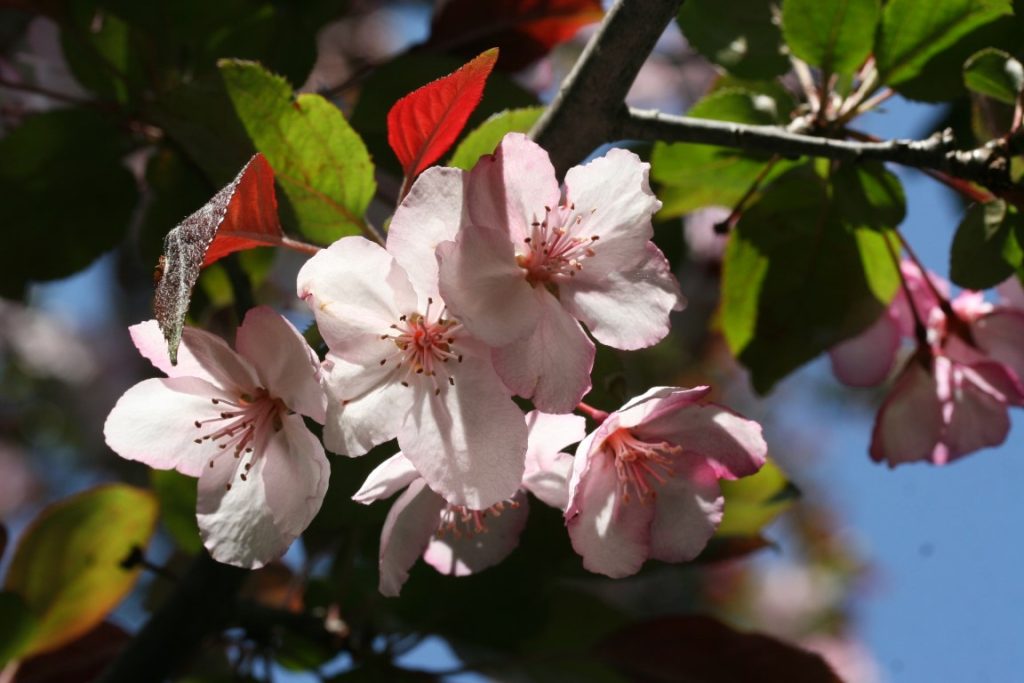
319 161
17 626
485 138
987 245
914 34
808 266
834 35
67 566
751 503
700 175
994 73
65 196
738 35
177 494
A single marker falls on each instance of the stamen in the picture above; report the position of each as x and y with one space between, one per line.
640 465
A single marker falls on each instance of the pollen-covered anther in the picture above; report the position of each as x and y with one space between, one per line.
243 427
424 343
556 248
459 522
640 465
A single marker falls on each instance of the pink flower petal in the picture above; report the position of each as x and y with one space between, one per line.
732 445
387 479
612 537
552 366
979 416
909 423
469 441
867 359
286 366
1000 334
512 187
613 194
1011 293
149 340
248 523
689 508
485 289
654 403
154 423
547 469
355 426
627 308
410 524
430 214
200 354
465 555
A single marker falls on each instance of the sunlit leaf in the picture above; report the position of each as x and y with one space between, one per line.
751 503
695 648
738 35
485 139
424 124
987 245
241 216
524 30
67 566
319 161
835 35
994 73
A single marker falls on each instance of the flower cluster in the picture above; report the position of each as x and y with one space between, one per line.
951 396
480 294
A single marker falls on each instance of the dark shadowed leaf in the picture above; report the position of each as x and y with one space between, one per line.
739 35
3 540
704 650
177 496
424 124
835 35
912 32
994 73
319 161
241 216
67 566
486 137
725 548
65 196
987 245
17 626
524 30
808 266
80 661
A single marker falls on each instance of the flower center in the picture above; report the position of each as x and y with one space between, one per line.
557 246
423 345
242 425
460 522
640 465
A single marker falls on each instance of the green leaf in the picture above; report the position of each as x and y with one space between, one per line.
485 138
808 266
177 495
319 161
914 31
751 503
100 50
17 626
699 175
987 245
835 35
738 35
67 566
65 196
994 73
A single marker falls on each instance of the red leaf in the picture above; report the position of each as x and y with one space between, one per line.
81 660
524 30
241 216
424 124
694 648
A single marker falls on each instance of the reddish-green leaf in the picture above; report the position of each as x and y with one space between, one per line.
81 660
524 30
241 216
694 648
67 566
424 124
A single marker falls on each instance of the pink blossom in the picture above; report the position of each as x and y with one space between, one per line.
230 419
401 366
867 359
645 483
457 540
531 262
952 396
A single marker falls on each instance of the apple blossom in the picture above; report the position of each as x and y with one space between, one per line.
400 366
232 419
532 261
457 540
645 482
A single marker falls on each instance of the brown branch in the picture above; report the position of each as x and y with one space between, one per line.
587 109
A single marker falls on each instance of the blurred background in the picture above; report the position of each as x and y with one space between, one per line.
892 575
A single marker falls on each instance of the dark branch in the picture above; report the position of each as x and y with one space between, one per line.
586 109
985 165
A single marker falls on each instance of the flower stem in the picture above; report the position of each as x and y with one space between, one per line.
920 331
593 413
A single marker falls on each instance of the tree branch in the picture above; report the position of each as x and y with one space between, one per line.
986 165
584 114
